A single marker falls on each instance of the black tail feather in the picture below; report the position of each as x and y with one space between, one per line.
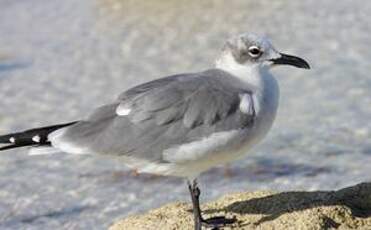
31 137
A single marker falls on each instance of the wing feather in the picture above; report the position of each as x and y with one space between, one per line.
163 113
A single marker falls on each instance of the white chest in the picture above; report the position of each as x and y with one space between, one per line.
239 142
265 98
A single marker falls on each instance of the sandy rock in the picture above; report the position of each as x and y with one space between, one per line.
348 208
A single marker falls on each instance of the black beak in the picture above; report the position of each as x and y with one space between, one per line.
286 59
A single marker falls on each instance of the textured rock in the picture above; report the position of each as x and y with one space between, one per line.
348 208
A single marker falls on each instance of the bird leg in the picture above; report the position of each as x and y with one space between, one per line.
199 221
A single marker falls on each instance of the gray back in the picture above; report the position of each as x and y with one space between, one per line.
164 113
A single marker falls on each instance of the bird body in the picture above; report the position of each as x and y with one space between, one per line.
222 142
181 125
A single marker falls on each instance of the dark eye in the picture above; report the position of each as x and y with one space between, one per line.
254 51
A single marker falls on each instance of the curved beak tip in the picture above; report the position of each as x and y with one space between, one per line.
286 59
306 65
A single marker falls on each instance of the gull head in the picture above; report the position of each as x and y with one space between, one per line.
250 50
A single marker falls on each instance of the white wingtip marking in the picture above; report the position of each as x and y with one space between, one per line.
12 140
245 104
123 110
36 138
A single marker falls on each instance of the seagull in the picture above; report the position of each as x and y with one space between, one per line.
180 125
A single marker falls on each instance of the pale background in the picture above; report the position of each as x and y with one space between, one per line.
60 59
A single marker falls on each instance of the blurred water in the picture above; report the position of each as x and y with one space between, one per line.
60 59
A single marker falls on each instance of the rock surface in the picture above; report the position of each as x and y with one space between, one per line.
348 208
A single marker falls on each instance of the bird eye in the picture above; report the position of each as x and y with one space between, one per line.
254 51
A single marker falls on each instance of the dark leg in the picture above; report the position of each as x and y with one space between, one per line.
214 222
195 194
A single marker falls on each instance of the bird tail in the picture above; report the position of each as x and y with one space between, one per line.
32 137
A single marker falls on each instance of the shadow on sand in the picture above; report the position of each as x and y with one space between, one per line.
357 198
348 208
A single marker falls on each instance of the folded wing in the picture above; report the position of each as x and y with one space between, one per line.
160 115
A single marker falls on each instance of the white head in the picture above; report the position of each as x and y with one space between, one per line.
247 51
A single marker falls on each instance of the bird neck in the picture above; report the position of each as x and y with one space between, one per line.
250 74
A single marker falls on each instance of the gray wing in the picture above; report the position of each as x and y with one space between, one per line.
163 114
